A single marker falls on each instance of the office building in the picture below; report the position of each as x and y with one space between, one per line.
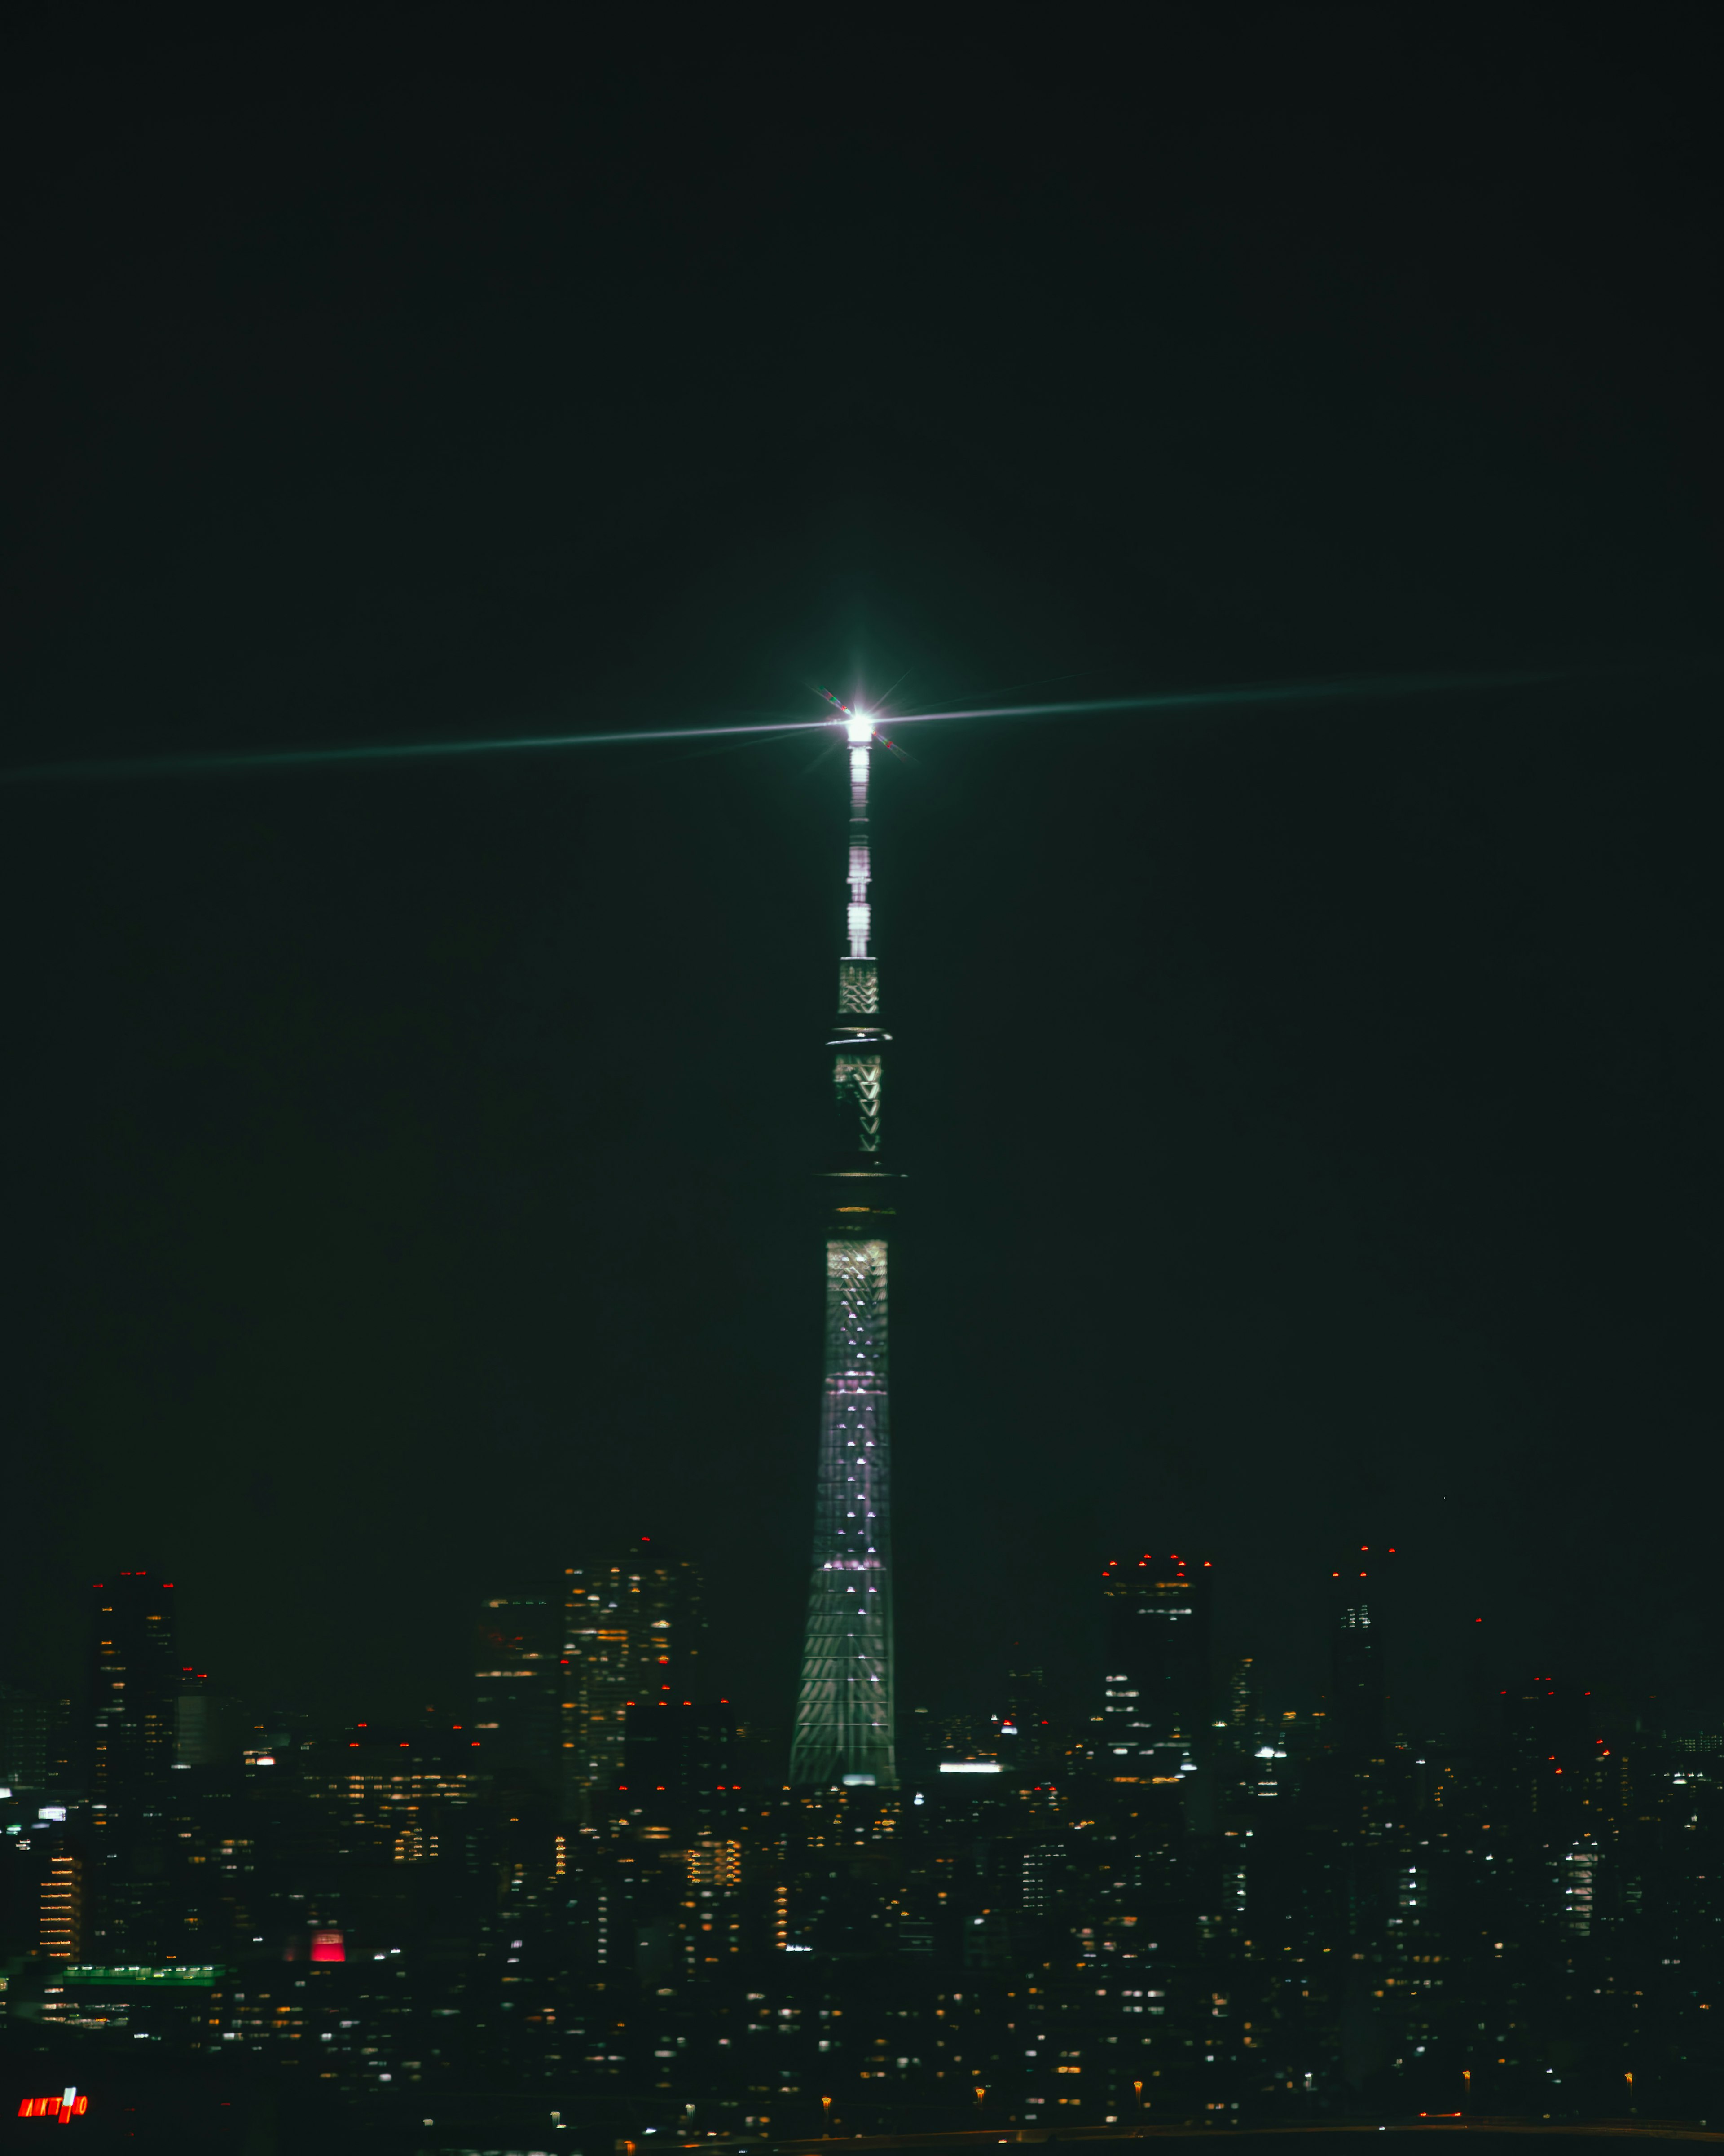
24 1738
517 1665
1156 1702
1358 1718
61 1937
207 1731
135 1689
1547 1747
678 1765
632 1628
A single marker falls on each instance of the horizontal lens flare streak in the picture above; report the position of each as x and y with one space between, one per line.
861 726
288 759
1246 693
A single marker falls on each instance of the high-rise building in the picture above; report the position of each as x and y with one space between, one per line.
24 1738
397 1794
632 1628
1026 1727
1240 1706
516 1716
62 1923
844 1725
134 1688
1156 1700
679 1764
1546 1745
1358 1688
206 1723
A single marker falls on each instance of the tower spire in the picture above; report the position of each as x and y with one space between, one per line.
844 1707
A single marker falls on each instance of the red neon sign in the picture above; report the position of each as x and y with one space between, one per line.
68 2104
328 1946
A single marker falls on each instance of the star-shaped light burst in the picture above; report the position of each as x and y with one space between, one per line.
857 724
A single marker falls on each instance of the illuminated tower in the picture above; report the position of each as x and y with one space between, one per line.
844 1712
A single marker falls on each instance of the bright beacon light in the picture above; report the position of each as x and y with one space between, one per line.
857 724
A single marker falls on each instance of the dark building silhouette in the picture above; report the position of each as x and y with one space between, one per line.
632 1631
1358 1684
1156 1695
113 1895
516 1696
25 1719
1240 1706
207 1731
1547 1747
678 1765
1026 1727
135 1687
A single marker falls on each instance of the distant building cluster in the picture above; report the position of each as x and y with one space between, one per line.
594 1907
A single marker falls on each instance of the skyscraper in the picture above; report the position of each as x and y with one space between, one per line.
632 1627
844 1714
23 1738
134 1695
679 1764
206 1723
1358 1691
516 1687
1156 1703
61 1931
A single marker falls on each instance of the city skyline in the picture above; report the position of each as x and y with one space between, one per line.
1158 1697
1472 1594
536 1617
1308 1113
1186 1908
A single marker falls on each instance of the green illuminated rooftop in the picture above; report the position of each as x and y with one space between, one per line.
139 1977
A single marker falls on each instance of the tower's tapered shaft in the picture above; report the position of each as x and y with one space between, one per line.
844 1716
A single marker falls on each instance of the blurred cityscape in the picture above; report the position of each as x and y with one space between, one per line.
590 1910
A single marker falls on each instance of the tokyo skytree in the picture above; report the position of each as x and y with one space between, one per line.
844 1713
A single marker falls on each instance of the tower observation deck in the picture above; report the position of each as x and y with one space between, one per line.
844 1713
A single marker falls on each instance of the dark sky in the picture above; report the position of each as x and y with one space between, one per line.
1312 1113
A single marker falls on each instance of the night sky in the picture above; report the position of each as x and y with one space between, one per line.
1312 1112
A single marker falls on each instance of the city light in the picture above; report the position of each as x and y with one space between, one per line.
619 1858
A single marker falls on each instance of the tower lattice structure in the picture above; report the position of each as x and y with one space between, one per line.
844 1708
